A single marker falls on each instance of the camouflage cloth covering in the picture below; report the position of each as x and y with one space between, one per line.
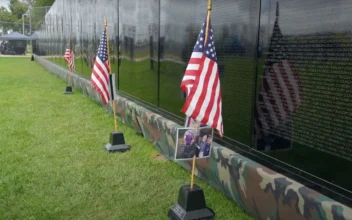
263 193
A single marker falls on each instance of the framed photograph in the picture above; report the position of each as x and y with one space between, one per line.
191 141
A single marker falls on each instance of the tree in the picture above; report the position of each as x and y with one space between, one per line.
18 8
38 12
12 19
5 15
6 20
30 2
38 3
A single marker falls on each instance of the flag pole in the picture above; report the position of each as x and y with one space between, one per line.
205 42
107 42
68 64
193 164
208 19
68 49
193 170
117 140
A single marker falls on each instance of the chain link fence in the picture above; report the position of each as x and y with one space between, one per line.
20 38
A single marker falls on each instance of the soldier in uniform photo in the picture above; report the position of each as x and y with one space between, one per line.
190 148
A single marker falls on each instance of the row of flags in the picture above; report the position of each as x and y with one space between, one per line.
201 79
279 96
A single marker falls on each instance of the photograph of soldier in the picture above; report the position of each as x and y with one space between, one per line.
204 145
190 142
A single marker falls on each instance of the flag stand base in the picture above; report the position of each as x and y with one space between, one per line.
191 205
68 90
117 143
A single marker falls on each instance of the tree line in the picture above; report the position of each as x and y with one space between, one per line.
11 17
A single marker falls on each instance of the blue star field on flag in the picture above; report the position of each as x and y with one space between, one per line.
102 50
210 46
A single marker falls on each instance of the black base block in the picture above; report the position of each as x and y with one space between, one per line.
68 90
32 58
191 205
116 143
117 148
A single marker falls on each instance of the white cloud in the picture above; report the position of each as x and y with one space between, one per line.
4 3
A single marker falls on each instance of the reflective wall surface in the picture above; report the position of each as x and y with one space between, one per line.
285 70
304 87
139 28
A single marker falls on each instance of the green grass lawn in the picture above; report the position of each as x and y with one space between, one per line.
53 165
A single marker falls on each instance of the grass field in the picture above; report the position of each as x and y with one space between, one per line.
53 165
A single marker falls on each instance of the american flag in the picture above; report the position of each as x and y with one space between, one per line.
101 70
201 83
281 92
69 56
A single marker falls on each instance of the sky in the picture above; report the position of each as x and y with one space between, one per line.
4 3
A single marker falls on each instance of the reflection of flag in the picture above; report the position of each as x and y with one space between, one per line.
69 56
101 70
280 92
201 83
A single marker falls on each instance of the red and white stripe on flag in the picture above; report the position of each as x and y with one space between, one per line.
191 72
69 57
100 79
189 78
204 100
